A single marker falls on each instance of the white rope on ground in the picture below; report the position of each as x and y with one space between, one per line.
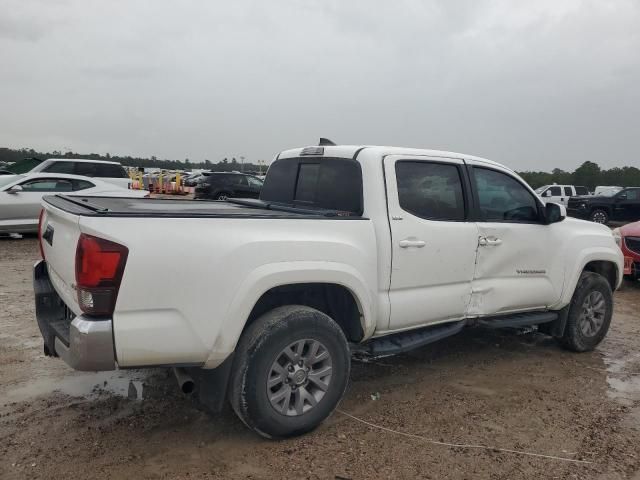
462 445
609 371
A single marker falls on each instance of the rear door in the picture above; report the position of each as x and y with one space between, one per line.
433 241
626 206
517 265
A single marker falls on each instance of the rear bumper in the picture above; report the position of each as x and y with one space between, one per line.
84 343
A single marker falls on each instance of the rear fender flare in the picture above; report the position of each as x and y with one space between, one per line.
272 275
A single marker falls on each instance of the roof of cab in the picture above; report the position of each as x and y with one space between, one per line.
350 151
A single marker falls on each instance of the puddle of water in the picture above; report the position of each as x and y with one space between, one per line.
86 385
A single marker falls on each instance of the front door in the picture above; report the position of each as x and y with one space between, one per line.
433 242
519 264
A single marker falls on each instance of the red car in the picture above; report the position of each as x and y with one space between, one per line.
628 238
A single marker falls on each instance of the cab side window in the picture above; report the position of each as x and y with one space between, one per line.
502 198
430 190
555 191
632 194
567 191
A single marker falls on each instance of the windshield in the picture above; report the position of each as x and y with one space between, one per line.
541 189
7 179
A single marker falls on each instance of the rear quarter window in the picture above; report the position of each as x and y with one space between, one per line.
108 170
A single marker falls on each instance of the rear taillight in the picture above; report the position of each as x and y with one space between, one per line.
99 269
40 233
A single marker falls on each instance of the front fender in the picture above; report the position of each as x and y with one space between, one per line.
575 269
272 275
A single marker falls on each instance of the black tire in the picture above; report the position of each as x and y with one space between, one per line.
222 195
599 215
261 345
574 337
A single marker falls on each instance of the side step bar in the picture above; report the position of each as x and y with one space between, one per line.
405 341
518 319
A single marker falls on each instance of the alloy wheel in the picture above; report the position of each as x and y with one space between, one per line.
592 315
299 377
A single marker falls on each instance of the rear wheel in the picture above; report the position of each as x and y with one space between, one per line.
589 314
290 371
222 196
599 216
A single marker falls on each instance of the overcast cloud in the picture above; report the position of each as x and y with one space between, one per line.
533 84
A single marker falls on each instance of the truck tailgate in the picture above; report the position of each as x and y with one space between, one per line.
60 232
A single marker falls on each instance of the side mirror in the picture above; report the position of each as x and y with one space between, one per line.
554 213
15 189
547 193
622 196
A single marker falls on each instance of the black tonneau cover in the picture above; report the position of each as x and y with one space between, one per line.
156 207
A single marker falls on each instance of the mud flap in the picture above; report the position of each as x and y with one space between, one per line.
212 385
556 328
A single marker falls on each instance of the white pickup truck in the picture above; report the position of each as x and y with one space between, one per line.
350 250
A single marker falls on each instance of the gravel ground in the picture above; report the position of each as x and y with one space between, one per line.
507 390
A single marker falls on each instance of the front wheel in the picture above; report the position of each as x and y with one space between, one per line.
589 314
290 371
599 216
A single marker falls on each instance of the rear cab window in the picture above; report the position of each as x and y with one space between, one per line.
326 183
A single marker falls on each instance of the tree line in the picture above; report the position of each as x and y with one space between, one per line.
589 174
10 155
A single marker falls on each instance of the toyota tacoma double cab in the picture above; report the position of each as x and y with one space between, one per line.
349 250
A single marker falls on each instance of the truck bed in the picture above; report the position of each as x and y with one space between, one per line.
156 207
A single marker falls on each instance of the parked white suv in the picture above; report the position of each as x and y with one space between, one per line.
110 172
560 193
349 250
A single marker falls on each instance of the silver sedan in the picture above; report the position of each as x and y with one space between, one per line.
21 196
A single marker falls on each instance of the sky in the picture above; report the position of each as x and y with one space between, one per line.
532 84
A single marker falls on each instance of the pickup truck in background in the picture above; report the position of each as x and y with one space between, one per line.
621 206
560 193
350 250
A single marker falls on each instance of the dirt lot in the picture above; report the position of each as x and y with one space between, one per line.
508 390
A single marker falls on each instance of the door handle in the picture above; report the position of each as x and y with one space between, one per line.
489 242
412 243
